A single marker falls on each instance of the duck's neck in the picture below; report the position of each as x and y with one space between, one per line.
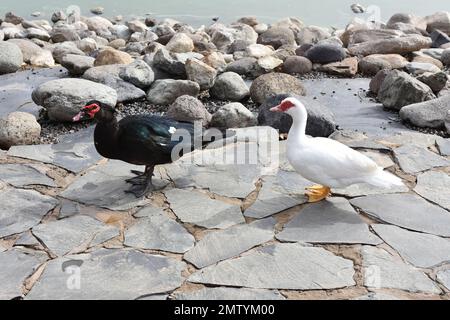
297 132
105 137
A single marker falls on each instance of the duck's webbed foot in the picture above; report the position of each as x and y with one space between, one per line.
141 178
317 193
142 184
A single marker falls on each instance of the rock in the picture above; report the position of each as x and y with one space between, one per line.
312 35
258 51
109 75
224 244
112 56
413 159
138 73
65 33
444 146
418 22
428 114
23 209
445 57
35 33
225 293
189 109
64 236
17 267
250 20
444 278
19 128
287 266
297 65
118 43
321 122
377 81
215 60
164 92
246 66
99 24
325 53
33 54
97 10
407 211
58 16
398 45
197 208
438 21
436 81
346 68
419 249
180 42
59 50
63 98
11 57
23 175
382 270
76 64
229 86
269 63
418 68
261 28
429 182
277 37
332 221
425 59
165 61
447 122
233 115
439 38
10 17
291 23
201 73
275 83
373 63
142 274
400 89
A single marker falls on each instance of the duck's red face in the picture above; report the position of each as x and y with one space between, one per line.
283 106
87 112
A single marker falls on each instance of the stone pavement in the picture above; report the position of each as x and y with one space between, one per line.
223 231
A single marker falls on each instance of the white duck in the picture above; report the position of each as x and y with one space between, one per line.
326 161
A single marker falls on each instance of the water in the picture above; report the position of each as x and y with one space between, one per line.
197 12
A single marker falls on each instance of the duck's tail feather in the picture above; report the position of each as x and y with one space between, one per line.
384 179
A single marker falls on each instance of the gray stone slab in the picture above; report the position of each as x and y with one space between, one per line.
27 239
157 231
434 186
281 266
22 209
199 209
16 267
413 159
330 221
108 275
62 236
443 146
364 189
444 278
412 138
420 249
16 89
406 210
223 293
75 157
105 186
21 175
220 245
357 140
382 270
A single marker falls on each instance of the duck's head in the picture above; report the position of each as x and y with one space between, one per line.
291 106
95 110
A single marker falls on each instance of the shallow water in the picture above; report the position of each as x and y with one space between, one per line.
324 12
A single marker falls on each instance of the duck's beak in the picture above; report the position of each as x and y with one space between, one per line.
276 108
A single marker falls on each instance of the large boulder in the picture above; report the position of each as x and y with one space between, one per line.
201 73
190 109
33 54
169 63
76 64
138 73
229 86
11 57
233 115
165 92
258 50
63 98
64 32
277 37
312 34
400 89
297 65
373 63
418 22
398 45
321 122
99 24
273 84
325 53
438 21
59 50
428 114
247 66
109 75
19 128
112 56
418 68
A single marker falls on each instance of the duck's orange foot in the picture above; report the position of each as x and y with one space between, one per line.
317 193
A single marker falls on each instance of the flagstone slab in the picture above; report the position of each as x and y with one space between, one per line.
434 186
443 146
220 245
413 159
444 278
406 210
22 175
